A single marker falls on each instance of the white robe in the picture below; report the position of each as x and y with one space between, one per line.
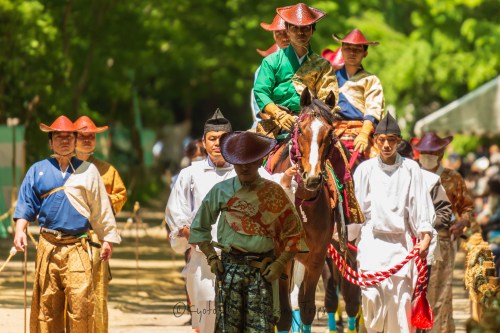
395 202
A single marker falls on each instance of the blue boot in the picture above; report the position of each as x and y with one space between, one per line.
296 321
332 323
351 325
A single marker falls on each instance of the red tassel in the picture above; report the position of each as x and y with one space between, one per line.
421 313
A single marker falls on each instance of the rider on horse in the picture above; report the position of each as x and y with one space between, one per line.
277 27
284 74
361 97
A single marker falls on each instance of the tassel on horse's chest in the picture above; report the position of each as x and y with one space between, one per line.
303 214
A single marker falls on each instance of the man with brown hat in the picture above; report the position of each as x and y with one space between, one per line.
396 206
117 194
257 223
281 39
431 148
361 97
192 185
286 73
67 197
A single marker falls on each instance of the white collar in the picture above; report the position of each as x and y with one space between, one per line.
390 167
209 165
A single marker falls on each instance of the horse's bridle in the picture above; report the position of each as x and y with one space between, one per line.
296 155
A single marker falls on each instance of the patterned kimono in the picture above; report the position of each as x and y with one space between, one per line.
440 288
361 97
261 219
68 203
192 185
101 272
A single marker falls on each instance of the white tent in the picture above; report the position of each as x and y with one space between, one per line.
477 113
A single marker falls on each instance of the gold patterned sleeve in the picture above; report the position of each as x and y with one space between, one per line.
464 203
118 195
326 82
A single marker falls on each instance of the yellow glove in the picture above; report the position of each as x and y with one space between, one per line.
213 259
285 120
361 141
274 270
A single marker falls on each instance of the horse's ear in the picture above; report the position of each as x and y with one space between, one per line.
305 98
330 99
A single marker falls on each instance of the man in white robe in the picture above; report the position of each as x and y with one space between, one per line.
395 202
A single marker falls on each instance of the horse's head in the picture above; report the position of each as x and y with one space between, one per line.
314 134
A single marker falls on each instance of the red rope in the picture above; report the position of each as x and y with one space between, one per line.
374 278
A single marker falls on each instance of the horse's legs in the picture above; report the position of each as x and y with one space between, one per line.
351 294
298 277
314 266
331 295
285 320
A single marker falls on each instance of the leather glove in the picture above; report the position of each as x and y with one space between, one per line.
212 258
274 270
285 120
361 141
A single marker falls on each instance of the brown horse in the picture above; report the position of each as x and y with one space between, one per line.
313 146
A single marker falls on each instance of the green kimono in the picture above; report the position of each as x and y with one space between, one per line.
274 223
260 218
282 79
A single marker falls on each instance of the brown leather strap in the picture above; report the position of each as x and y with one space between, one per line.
54 190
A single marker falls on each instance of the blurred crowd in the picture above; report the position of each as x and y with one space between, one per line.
481 171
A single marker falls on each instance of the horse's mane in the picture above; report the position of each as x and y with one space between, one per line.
322 108
286 152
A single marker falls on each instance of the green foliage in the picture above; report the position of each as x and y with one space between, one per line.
186 58
463 144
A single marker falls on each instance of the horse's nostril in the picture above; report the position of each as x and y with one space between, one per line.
304 175
313 181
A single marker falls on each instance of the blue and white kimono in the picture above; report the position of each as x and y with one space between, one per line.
361 96
70 202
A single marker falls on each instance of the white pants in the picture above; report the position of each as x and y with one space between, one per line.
200 285
387 306
298 277
203 316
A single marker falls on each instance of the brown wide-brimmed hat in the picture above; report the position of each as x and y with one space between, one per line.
245 147
355 37
431 142
85 121
334 57
300 14
276 25
61 124
269 51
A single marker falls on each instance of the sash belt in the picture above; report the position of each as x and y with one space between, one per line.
57 237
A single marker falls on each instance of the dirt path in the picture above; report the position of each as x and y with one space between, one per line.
148 296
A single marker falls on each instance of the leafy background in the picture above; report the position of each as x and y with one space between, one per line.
150 64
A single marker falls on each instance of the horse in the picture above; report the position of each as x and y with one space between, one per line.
317 153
